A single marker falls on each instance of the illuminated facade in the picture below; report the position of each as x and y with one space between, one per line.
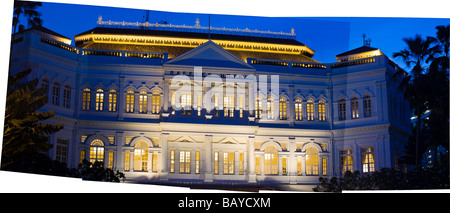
112 91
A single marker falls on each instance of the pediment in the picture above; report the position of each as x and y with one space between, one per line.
209 54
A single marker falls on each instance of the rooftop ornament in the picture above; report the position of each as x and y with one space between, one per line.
196 28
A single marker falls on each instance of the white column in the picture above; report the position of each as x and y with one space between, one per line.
292 161
164 156
251 159
208 158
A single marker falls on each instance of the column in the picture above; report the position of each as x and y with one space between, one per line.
164 156
291 106
292 161
251 159
208 158
120 141
121 97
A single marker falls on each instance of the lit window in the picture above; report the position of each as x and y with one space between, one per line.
321 109
112 102
110 159
258 165
228 162
186 103
284 165
270 108
342 109
298 109
141 156
82 155
355 111
346 161
324 166
368 161
66 97
299 166
55 94
99 100
86 99
143 101
241 106
197 162
228 106
271 161
241 163
154 162
310 109
185 161
258 107
126 165
367 106
96 151
130 101
156 98
312 161
216 162
283 114
172 161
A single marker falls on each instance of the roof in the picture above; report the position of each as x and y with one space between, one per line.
45 30
357 50
164 33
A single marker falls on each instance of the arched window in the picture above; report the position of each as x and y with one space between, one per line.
156 99
96 151
271 160
342 109
141 156
312 161
367 106
45 85
321 109
55 94
283 114
86 99
112 101
66 96
310 109
143 101
355 108
298 109
130 101
99 96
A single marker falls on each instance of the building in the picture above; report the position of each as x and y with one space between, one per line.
114 93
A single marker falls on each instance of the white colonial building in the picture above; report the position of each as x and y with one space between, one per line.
114 93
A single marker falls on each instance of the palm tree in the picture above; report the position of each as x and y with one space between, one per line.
28 9
24 129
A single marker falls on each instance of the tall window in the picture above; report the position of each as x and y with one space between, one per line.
86 99
258 107
96 151
126 159
99 96
216 162
283 114
55 94
156 99
310 109
197 162
66 97
298 109
143 101
324 166
270 108
45 86
312 161
185 161
241 163
130 101
228 106
110 159
141 156
112 100
368 161
346 160
367 106
241 106
228 163
321 109
154 162
172 161
342 109
61 150
355 108
186 103
271 160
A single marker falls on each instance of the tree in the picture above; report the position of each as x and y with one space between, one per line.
96 172
25 131
28 9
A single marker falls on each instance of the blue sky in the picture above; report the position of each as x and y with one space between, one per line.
328 36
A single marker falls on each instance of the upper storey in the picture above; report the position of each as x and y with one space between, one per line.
178 39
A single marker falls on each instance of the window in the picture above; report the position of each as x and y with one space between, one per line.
368 161
99 100
228 106
299 166
258 107
186 103
197 162
143 101
258 165
141 156
321 109
355 111
216 162
154 162
346 161
61 150
228 163
82 155
110 159
298 109
324 166
185 161
284 165
172 161
66 97
342 109
126 158
312 161
55 94
86 99
130 101
271 160
156 99
283 114
270 108
112 100
45 86
241 106
310 109
367 106
96 151
241 163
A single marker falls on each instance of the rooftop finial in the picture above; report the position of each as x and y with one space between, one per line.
197 23
366 42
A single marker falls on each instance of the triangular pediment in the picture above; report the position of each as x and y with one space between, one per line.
209 54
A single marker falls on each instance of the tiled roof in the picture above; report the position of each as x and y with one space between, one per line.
357 50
